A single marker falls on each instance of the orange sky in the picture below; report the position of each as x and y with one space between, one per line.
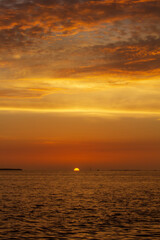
79 84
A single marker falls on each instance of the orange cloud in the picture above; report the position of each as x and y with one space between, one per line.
67 16
26 92
52 38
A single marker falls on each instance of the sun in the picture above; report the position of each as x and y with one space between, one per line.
76 169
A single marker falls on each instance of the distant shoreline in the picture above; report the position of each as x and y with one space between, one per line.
11 169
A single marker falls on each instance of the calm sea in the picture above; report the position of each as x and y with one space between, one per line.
85 205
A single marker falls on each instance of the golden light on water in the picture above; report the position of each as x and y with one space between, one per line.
76 169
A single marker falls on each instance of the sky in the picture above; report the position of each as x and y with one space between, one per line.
80 84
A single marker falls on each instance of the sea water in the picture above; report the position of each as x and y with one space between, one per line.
84 205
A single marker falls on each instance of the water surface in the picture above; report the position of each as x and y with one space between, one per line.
84 205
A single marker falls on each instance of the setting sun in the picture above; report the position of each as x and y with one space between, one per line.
76 169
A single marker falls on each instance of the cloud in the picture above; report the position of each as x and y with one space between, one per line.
25 92
135 57
110 37
100 42
26 20
139 58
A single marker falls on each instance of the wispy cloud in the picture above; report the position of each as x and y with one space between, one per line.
75 54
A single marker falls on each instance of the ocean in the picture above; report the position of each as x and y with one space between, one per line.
84 205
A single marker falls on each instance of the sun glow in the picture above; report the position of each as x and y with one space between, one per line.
76 169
